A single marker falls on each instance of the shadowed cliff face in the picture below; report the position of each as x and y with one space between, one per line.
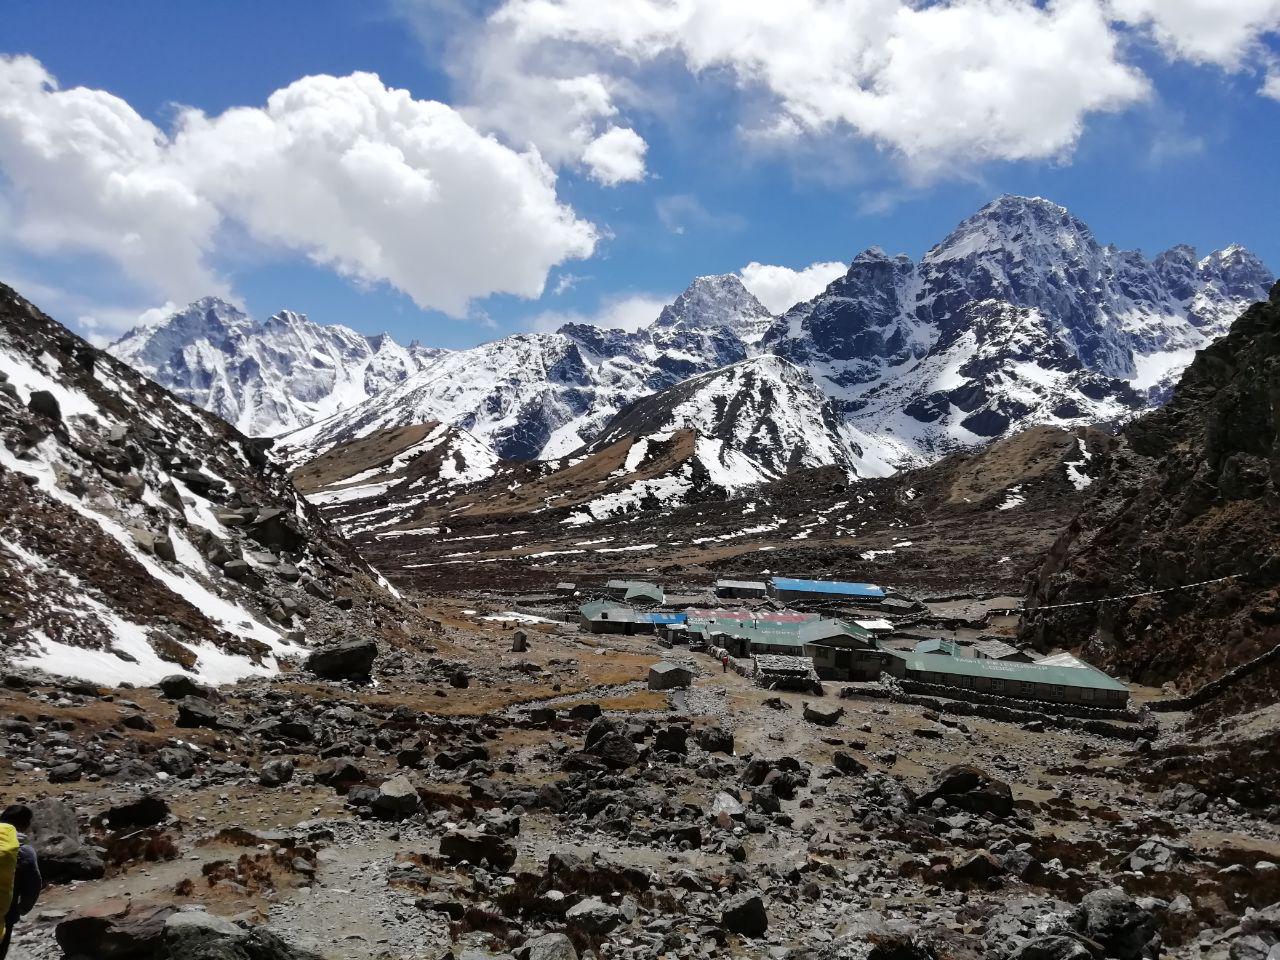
1191 495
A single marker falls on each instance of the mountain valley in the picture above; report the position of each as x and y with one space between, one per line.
333 699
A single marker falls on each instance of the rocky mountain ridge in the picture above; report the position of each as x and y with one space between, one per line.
141 536
1018 317
1191 495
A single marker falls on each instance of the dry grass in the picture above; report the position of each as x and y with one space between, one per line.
349 459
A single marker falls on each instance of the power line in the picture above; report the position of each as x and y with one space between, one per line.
1132 596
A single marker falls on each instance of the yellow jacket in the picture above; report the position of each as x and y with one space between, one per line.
8 868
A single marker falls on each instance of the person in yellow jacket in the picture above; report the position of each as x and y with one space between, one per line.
20 880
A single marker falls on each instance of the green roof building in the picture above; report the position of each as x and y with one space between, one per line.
1023 681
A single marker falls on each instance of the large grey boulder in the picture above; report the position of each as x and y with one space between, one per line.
970 788
746 916
177 686
1115 920
115 930
196 935
397 799
473 846
823 716
1157 855
197 712
55 834
349 660
549 946
275 773
617 751
45 404
594 916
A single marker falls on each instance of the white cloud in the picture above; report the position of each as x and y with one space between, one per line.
357 176
939 84
624 312
944 85
1225 33
1271 86
549 97
89 174
781 287
616 156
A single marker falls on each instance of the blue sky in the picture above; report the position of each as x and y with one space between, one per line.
743 159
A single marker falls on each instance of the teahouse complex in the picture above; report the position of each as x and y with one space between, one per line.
794 633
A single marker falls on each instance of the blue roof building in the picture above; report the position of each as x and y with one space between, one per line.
787 588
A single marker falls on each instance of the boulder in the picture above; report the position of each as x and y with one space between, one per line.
823 716
585 711
970 788
176 762
145 811
178 686
45 404
397 799
746 916
848 764
549 946
275 773
715 739
459 756
192 929
570 872
196 712
672 739
340 773
473 846
594 916
278 530
349 660
1156 855
980 868
55 834
617 751
69 772
115 930
727 804
519 642
679 833
196 935
1113 919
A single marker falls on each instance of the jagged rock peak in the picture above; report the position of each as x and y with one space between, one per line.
715 302
1010 223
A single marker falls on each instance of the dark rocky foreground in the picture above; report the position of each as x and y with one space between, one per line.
472 802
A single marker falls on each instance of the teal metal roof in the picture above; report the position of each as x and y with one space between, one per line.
617 611
743 627
937 645
1088 678
644 591
834 587
754 635
817 631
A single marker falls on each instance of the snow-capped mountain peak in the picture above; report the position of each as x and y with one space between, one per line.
1018 316
719 302
270 376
